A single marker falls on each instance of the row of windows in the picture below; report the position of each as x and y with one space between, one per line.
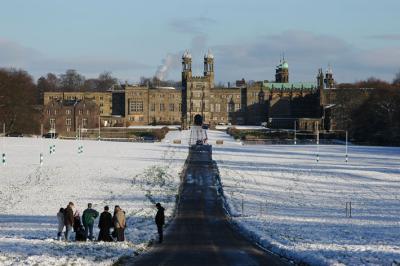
224 96
67 112
159 95
68 122
138 118
171 107
229 107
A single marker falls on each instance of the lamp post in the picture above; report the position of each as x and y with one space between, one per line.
347 156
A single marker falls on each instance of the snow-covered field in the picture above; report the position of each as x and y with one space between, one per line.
132 175
296 206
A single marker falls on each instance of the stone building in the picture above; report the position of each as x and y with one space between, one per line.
279 103
66 116
145 106
102 99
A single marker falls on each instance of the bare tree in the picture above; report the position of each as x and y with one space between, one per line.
17 101
71 81
106 81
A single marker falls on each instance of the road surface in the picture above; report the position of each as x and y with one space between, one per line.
200 234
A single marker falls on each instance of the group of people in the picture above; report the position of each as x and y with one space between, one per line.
69 218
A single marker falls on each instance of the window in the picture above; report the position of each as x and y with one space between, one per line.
237 106
217 107
171 107
52 121
162 107
135 106
68 111
212 107
68 121
80 112
87 112
84 122
180 107
55 112
141 118
68 129
152 107
48 111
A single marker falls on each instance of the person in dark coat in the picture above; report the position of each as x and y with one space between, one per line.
160 221
78 227
105 224
68 220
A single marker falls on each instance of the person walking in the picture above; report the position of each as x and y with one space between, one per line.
119 223
88 217
60 219
105 224
68 220
160 221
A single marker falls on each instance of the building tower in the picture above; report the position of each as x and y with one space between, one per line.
186 77
209 67
186 68
329 81
320 79
282 72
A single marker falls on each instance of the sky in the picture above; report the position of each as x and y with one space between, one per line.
358 38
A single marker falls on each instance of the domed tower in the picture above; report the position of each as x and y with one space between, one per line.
186 68
209 67
282 72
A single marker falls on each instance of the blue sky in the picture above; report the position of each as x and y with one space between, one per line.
133 38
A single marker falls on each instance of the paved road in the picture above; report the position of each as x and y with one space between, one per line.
200 233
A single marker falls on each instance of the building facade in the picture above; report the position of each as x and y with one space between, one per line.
278 103
66 116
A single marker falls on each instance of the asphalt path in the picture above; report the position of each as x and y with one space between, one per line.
201 234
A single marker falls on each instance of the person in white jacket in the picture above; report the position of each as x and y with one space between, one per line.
60 219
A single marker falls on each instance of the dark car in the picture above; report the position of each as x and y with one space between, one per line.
14 134
50 135
148 139
205 126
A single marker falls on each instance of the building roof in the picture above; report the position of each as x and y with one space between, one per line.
290 85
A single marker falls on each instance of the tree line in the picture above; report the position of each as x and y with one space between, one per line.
370 111
372 116
21 98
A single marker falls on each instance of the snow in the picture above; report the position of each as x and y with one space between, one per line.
132 175
296 206
291 204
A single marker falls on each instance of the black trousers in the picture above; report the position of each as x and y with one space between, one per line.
160 233
120 234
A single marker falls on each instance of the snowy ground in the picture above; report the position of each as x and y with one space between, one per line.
132 175
296 206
